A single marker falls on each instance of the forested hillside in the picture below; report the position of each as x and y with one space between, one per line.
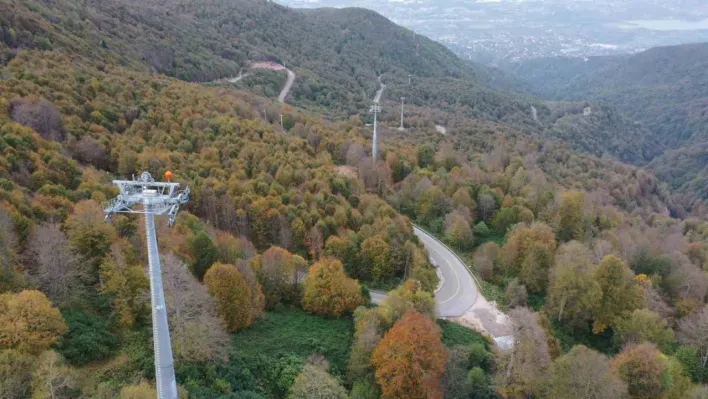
664 87
663 90
338 54
268 269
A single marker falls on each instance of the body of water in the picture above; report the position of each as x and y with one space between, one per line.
666 24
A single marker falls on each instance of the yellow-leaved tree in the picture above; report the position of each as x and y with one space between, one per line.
29 322
124 281
571 216
328 290
621 293
232 294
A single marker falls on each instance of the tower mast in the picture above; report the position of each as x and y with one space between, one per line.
156 198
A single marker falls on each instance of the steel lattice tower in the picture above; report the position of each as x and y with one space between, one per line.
156 198
403 99
376 108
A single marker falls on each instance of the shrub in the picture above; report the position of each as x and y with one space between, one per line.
89 338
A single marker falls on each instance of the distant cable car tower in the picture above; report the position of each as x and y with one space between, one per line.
376 108
156 198
417 44
403 99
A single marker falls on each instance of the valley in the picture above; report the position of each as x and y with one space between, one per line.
494 32
534 231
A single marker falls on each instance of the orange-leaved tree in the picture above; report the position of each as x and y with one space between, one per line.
328 291
644 369
232 294
411 358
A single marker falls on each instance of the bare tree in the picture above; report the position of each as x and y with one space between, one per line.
698 392
376 177
91 151
8 241
40 115
523 369
228 217
55 266
584 373
8 250
515 294
486 206
198 335
654 302
693 330
210 206
600 249
284 232
354 154
52 378
485 260
454 381
686 279
257 297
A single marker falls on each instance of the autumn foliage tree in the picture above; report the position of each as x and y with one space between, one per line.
641 326
571 216
8 250
232 294
527 241
56 267
458 231
257 297
28 322
314 381
572 291
375 259
693 330
15 373
52 377
409 296
643 368
328 291
368 332
124 281
521 370
411 359
198 334
620 292
141 391
90 236
584 373
279 273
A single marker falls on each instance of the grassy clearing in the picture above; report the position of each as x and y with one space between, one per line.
266 358
295 332
492 293
455 334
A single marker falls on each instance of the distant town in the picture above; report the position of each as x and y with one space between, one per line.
502 31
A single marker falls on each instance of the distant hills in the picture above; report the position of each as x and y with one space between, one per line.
664 88
337 53
630 108
663 91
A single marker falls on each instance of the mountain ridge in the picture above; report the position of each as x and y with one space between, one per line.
663 90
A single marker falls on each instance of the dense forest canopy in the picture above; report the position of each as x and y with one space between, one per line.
267 271
661 90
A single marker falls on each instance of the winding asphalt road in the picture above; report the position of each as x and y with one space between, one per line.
288 86
239 77
458 291
379 93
